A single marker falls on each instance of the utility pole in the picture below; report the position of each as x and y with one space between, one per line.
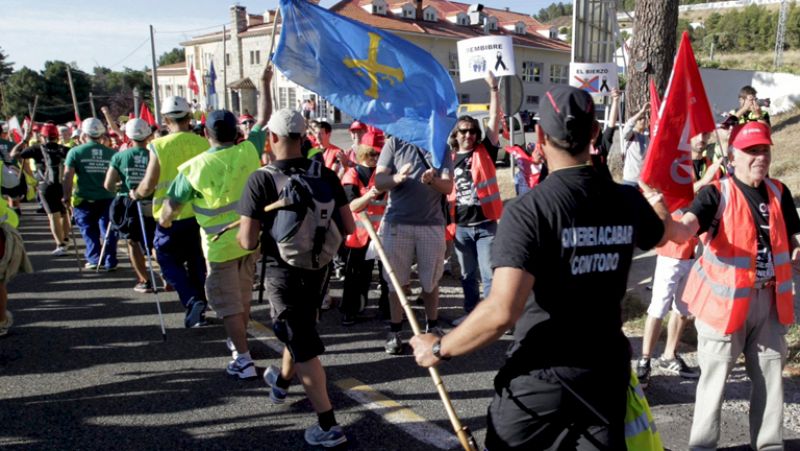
779 39
136 102
224 68
72 91
156 100
91 104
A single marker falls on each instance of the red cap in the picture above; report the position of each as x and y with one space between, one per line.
375 139
246 118
750 134
36 127
356 125
49 130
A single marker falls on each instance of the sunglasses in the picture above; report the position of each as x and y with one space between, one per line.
464 131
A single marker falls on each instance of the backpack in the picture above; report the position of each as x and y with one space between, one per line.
304 231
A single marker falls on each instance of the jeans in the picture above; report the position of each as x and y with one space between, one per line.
357 280
92 220
181 259
473 249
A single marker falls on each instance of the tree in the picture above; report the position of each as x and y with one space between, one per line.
652 50
20 90
115 89
176 55
6 67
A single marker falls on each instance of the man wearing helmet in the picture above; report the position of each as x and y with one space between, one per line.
50 157
89 162
126 172
13 194
177 247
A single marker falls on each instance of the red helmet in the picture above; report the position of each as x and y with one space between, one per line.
376 139
50 130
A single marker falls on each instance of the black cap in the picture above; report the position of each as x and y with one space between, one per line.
222 125
567 114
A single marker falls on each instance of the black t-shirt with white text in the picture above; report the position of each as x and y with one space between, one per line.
575 233
705 207
49 159
468 207
260 192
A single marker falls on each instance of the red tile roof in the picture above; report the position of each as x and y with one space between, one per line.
445 28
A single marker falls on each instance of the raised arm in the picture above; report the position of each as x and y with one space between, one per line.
265 104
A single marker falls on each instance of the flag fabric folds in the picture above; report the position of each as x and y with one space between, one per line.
193 82
655 105
684 113
15 130
212 77
146 115
374 76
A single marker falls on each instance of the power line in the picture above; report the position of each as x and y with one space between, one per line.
190 30
129 54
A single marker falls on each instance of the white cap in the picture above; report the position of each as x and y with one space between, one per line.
286 121
175 107
137 129
93 127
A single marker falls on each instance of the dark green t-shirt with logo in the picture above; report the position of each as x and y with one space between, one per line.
90 162
130 164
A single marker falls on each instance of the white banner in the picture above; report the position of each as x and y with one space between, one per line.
594 78
477 56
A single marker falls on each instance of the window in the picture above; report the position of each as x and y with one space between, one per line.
532 71
408 12
227 59
452 65
282 99
463 20
255 57
430 17
532 100
559 73
168 90
463 98
181 91
292 98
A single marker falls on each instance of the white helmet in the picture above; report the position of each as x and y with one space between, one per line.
10 177
93 127
137 129
175 107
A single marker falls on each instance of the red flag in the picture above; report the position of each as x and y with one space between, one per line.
193 82
655 105
684 113
203 119
146 115
15 129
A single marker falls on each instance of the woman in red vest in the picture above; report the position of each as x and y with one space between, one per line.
740 288
359 185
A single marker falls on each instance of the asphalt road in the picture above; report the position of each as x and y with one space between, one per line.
85 367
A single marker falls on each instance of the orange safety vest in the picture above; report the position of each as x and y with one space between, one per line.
375 209
672 249
722 279
484 181
329 155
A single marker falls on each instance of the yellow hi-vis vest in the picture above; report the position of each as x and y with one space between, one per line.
6 214
172 151
640 429
220 177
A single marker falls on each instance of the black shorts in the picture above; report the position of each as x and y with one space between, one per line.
51 196
295 296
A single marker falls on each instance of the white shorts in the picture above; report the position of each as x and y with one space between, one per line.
669 281
404 243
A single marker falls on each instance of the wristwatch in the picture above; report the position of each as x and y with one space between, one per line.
436 349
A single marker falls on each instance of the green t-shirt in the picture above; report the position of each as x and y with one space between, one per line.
130 164
90 162
181 191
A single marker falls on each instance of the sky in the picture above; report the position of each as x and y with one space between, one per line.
116 34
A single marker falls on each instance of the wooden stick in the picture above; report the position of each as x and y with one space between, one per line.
103 248
464 435
72 239
280 203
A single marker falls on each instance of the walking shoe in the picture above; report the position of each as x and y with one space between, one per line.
143 287
6 325
242 369
678 367
59 251
276 394
109 268
393 345
90 265
330 438
194 315
327 302
232 348
643 372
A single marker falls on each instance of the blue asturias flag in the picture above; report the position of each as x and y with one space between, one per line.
374 76
212 78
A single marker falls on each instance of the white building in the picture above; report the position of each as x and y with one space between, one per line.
434 25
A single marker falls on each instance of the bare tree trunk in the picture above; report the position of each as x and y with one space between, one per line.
652 50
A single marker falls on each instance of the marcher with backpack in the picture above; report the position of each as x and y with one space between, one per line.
212 184
300 243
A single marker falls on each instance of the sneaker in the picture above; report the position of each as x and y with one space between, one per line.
194 315
109 268
143 287
59 251
276 394
327 302
6 325
90 265
242 369
394 344
643 372
678 367
232 348
330 438
434 330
